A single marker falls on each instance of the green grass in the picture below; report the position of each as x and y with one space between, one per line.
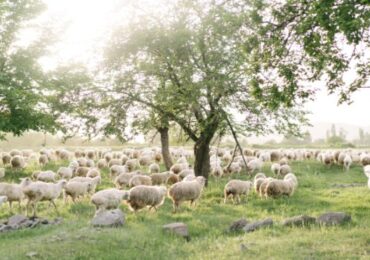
142 236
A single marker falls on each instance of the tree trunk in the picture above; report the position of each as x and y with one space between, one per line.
201 153
165 144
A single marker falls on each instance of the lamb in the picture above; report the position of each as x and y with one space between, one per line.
186 191
146 196
154 168
18 162
123 179
13 192
76 189
45 176
235 188
275 168
347 162
93 181
65 172
109 199
42 191
43 159
140 180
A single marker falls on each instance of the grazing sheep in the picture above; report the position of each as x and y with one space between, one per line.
82 171
284 161
186 191
233 168
116 170
347 162
259 176
123 179
217 171
109 198
43 159
42 191
275 156
161 178
90 163
286 186
132 164
365 159
284 170
13 192
235 188
158 157
172 179
102 164
45 176
76 189
263 185
93 181
140 180
65 172
82 162
275 168
145 160
154 168
328 158
178 167
93 172
6 158
254 165
18 162
146 196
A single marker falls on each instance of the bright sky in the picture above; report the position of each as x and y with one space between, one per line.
89 24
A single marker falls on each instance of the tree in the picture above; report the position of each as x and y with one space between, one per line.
22 91
303 41
190 66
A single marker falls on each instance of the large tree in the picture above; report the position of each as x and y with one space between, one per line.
22 90
190 66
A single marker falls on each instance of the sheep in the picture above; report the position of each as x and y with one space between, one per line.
185 173
284 170
76 189
90 163
109 199
2 173
365 159
178 167
235 188
65 172
82 162
93 172
154 168
217 171
82 171
328 158
132 164
255 164
367 171
18 162
6 158
140 180
158 157
291 178
123 179
146 196
279 187
45 176
161 178
275 168
93 181
347 162
15 152
233 168
186 191
190 177
284 161
43 159
275 156
259 176
42 191
102 164
116 170
13 192
263 185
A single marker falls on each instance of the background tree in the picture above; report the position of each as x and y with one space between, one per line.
190 66
22 90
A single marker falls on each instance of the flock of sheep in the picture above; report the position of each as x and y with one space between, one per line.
140 183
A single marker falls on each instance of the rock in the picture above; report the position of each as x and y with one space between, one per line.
258 224
178 228
6 228
109 218
238 225
333 218
31 254
301 220
17 220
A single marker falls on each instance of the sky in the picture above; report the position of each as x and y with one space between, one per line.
89 24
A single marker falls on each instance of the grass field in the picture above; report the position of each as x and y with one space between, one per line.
142 236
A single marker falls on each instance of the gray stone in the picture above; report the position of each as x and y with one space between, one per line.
301 220
258 224
238 225
6 228
109 218
17 220
333 218
178 228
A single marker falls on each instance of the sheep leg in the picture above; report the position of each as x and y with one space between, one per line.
10 206
175 206
55 206
34 209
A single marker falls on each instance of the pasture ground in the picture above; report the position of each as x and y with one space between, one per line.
142 237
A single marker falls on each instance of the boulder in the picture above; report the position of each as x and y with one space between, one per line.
301 220
333 218
238 225
108 218
17 220
258 224
178 228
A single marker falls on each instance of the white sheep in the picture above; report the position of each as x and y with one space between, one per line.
140 180
93 172
123 179
367 171
190 177
109 198
42 191
46 176
235 188
154 168
13 192
347 162
161 178
18 162
146 196
65 172
284 170
186 191
255 165
275 168
116 170
93 181
76 189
